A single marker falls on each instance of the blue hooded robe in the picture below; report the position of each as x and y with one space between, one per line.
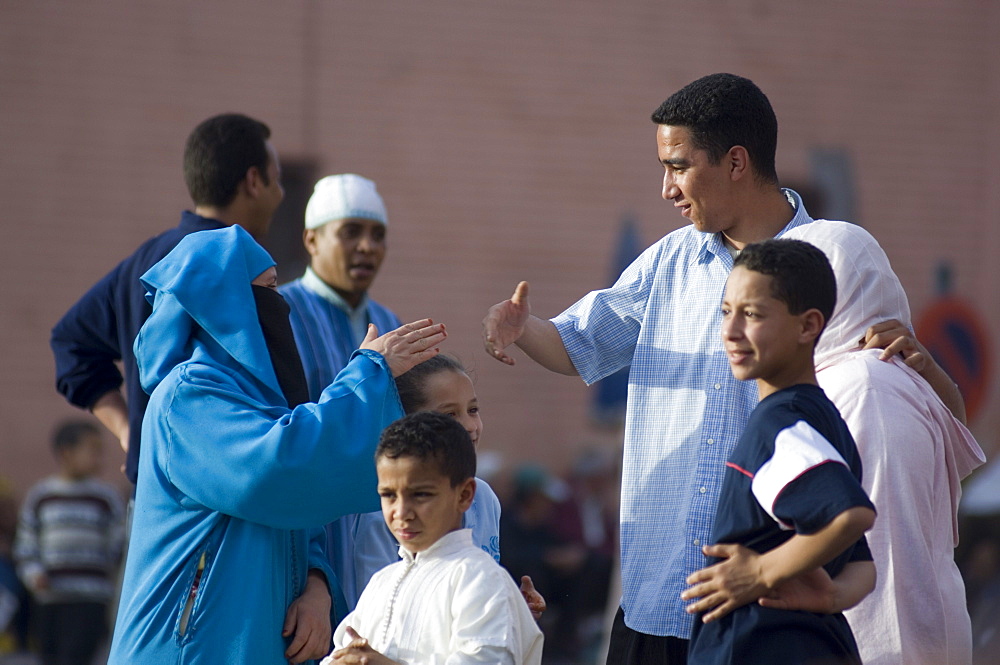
228 471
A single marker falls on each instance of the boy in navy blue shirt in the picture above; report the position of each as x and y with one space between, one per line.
791 498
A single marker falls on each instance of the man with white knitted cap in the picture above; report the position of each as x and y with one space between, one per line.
345 235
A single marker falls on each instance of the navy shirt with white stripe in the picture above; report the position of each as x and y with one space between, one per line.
794 469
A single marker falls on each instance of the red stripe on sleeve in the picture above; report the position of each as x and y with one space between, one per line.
740 469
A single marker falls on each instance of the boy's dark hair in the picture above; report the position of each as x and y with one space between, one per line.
71 432
431 437
410 384
801 276
218 154
724 110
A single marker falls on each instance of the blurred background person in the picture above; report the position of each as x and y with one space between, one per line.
69 544
14 602
562 534
233 176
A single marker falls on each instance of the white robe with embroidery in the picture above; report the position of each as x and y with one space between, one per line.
450 604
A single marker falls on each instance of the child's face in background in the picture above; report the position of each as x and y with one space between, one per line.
84 459
453 394
763 340
419 504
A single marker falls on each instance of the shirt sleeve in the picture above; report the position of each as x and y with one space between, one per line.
806 482
492 621
483 517
27 549
600 331
318 561
85 345
284 469
484 654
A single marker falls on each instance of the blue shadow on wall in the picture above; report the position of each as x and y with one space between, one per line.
611 393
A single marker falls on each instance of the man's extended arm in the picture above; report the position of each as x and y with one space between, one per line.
511 322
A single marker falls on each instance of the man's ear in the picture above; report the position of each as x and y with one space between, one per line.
309 240
254 182
738 161
812 325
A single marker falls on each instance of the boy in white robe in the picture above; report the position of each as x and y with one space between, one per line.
447 601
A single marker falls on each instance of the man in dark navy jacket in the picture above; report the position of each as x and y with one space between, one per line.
233 175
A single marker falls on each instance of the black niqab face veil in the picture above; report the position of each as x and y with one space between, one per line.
272 312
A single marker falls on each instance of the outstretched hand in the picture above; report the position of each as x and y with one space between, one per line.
536 603
719 589
504 323
406 346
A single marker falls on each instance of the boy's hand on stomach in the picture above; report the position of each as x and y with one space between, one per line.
721 588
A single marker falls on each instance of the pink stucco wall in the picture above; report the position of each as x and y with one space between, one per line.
509 139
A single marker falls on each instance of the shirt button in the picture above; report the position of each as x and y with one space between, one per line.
710 441
703 490
697 542
718 386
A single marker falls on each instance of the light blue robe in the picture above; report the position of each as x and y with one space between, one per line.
360 545
227 470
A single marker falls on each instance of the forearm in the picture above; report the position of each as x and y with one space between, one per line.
316 584
805 552
111 409
854 582
896 338
945 388
543 344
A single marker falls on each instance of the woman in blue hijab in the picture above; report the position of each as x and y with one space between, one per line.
238 472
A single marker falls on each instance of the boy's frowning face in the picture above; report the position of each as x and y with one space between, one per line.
763 340
419 504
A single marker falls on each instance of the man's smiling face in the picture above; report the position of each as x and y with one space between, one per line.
699 189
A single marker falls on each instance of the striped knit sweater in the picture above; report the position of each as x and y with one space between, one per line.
72 532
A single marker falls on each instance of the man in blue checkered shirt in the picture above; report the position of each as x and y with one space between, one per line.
716 139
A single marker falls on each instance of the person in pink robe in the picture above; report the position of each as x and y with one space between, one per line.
915 453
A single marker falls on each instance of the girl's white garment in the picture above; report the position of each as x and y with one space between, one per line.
915 454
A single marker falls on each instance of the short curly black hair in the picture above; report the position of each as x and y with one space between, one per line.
431 437
218 154
801 276
722 111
